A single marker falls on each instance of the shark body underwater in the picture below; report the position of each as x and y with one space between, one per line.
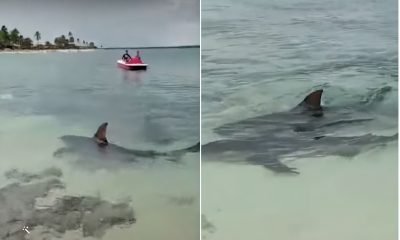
308 130
98 148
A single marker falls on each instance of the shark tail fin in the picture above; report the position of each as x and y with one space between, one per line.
177 154
194 148
313 100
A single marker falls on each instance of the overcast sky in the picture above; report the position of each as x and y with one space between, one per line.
108 22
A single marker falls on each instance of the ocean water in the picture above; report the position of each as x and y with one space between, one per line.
261 57
45 95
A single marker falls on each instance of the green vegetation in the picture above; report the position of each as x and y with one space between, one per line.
13 40
38 36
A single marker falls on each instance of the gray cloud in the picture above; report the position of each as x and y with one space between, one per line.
111 23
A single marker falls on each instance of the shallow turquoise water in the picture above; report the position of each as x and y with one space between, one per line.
49 94
261 57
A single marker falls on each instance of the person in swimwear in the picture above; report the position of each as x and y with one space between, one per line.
126 56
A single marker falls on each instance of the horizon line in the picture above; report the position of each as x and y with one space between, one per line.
151 47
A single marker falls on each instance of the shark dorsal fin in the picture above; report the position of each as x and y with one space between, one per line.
101 134
313 100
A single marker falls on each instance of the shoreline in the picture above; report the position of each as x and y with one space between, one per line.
25 51
16 51
188 46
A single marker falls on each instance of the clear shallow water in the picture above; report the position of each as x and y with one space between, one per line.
60 93
264 57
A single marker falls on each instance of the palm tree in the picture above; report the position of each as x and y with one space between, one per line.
4 30
37 36
14 36
57 41
4 36
61 41
63 38
71 37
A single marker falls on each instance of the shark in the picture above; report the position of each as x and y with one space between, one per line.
307 130
99 148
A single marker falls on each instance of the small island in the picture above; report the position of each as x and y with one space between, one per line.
13 40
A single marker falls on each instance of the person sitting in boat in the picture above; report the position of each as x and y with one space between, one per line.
138 56
126 56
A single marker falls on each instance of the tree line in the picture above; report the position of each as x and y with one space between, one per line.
14 40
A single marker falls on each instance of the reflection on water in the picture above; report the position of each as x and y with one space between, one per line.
133 76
